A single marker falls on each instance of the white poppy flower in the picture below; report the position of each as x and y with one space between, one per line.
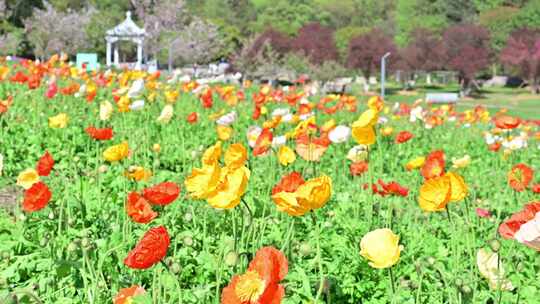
137 105
339 134
227 119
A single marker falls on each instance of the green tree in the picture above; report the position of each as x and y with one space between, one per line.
500 23
413 14
344 35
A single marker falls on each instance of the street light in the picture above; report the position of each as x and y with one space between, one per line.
383 71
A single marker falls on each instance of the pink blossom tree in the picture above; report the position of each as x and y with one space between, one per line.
522 53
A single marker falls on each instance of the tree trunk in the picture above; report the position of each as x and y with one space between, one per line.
534 87
169 64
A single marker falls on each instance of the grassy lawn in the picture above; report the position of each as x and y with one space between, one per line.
518 101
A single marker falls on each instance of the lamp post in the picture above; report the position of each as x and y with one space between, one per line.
383 71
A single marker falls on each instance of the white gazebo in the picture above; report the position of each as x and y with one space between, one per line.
125 31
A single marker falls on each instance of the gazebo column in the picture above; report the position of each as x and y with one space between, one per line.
108 59
139 55
116 56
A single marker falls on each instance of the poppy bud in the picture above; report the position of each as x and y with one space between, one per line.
43 242
3 281
103 168
188 217
188 241
495 245
85 242
466 289
459 282
71 222
72 247
22 217
305 249
51 215
176 268
156 148
431 261
231 259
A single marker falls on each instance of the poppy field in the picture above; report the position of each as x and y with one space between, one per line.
129 187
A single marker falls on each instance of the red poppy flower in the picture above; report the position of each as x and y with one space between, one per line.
263 142
506 122
139 209
434 165
289 183
358 168
392 188
495 146
520 177
99 134
206 99
149 250
34 81
260 283
403 136
125 295
51 90
256 113
19 77
45 164
162 194
37 197
192 118
536 188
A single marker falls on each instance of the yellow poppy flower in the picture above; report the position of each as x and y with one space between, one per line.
27 178
59 121
387 131
224 132
381 247
415 163
232 186
364 135
435 193
376 103
328 125
203 182
459 187
235 156
212 154
286 156
461 162
138 173
368 118
171 96
116 152
315 192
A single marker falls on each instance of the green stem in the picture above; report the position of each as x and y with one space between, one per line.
318 258
392 282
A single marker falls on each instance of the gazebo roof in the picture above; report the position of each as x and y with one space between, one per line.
127 28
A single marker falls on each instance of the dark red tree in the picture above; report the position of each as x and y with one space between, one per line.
316 42
522 53
366 50
279 42
425 52
467 51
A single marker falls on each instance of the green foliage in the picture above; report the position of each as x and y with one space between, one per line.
500 22
413 14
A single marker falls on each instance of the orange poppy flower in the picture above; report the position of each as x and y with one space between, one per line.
435 193
260 283
45 164
263 143
139 209
520 177
403 137
162 194
495 147
5 104
506 122
289 183
434 165
99 134
522 226
192 118
36 197
358 168
149 250
125 295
